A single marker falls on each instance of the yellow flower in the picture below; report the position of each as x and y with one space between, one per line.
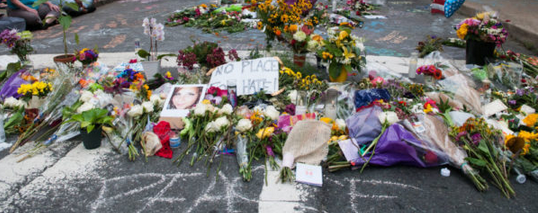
348 54
203 5
531 120
326 120
265 132
205 101
168 74
462 31
260 25
343 35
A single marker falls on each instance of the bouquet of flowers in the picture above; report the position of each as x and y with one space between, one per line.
342 51
39 89
280 18
243 134
296 86
87 56
205 54
484 146
484 27
432 43
430 70
188 15
17 42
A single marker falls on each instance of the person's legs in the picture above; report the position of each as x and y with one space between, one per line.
47 14
32 21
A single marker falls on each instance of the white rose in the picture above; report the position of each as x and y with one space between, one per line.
312 46
100 92
211 108
156 100
299 36
86 96
227 109
12 102
244 125
389 116
202 10
200 109
85 107
211 127
341 124
222 122
293 96
148 106
271 112
136 110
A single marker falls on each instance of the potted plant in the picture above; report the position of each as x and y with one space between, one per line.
155 31
482 33
91 124
343 52
65 22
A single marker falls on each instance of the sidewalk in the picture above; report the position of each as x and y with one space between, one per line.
523 25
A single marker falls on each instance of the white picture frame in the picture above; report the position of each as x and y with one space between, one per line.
175 106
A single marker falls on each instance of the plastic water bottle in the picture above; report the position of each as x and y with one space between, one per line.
2 132
412 73
137 45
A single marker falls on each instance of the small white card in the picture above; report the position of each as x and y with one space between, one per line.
309 174
494 107
419 128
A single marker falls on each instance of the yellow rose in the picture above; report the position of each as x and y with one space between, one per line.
265 132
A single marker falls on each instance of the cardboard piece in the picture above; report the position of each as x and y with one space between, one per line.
249 75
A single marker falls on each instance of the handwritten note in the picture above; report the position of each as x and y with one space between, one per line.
249 76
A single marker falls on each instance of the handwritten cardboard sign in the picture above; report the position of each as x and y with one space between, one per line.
249 76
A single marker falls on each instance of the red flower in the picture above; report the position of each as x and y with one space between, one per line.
215 91
437 74
132 61
430 157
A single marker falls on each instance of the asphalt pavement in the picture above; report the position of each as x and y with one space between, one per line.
68 178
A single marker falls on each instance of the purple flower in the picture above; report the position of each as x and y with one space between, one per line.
461 134
520 92
512 102
290 109
476 138
270 151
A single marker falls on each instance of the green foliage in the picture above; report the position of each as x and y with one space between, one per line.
90 119
10 69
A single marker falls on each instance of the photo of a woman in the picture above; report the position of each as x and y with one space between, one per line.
185 97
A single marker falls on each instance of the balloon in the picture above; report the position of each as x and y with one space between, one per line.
451 6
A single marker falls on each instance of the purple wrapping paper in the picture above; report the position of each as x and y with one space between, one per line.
399 146
9 89
364 126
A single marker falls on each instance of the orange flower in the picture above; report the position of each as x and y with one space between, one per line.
278 32
293 28
317 38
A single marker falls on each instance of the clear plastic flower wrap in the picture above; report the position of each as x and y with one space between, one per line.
432 129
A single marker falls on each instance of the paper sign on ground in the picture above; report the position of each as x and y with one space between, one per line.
249 76
309 174
494 107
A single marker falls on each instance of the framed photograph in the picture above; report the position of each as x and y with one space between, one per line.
182 98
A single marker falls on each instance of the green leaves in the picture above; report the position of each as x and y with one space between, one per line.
11 68
335 69
476 162
143 54
91 118
65 22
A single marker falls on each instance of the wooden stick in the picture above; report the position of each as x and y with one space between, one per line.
278 92
210 71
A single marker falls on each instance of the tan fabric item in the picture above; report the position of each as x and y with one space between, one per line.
151 143
307 142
